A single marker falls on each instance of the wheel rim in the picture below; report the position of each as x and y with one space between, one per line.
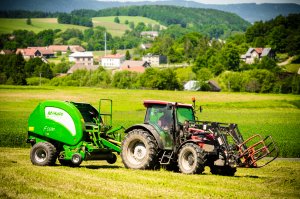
76 159
188 161
40 155
136 152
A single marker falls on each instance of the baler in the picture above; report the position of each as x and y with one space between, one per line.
72 132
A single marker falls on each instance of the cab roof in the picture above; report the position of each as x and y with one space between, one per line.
148 103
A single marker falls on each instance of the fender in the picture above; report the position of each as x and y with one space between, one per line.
150 129
208 148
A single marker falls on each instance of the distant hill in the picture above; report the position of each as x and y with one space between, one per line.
250 12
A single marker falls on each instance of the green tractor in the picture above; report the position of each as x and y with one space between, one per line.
72 132
172 137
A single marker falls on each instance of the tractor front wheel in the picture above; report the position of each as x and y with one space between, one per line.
191 159
139 150
43 154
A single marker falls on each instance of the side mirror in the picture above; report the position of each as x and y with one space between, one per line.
200 109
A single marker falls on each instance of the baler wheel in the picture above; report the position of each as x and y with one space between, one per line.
113 159
191 159
43 154
76 160
139 150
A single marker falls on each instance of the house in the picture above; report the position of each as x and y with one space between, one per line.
149 34
84 58
155 60
257 53
29 52
76 48
82 67
112 61
45 52
6 52
59 48
135 66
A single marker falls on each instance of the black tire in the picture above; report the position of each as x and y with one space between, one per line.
191 159
113 159
76 160
222 170
139 150
43 154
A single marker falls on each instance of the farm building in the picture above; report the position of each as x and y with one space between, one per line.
155 60
112 61
82 67
84 58
135 66
257 53
44 51
29 52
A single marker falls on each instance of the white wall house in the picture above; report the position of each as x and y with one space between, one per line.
112 61
84 58
155 60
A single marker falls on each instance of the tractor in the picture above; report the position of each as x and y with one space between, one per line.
173 138
72 132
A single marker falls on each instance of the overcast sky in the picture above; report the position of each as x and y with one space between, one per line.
225 1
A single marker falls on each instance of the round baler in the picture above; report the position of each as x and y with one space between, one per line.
71 132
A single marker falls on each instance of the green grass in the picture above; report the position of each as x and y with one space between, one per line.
267 114
119 29
293 68
98 179
38 24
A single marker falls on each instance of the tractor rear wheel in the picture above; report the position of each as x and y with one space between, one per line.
43 154
222 170
191 159
139 150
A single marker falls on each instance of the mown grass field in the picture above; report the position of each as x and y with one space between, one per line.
38 24
267 114
97 179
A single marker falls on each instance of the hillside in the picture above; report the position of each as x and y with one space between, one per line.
39 24
9 25
262 11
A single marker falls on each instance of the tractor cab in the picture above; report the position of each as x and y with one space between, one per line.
168 119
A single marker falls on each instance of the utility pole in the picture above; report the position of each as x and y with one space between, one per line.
105 43
40 79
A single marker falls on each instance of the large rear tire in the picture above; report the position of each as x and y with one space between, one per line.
43 154
139 150
191 159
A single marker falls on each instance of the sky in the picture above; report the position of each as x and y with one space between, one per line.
226 1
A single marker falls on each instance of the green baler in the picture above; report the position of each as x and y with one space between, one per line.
72 132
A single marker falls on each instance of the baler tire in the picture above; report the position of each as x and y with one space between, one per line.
191 159
76 160
113 159
43 154
222 170
139 150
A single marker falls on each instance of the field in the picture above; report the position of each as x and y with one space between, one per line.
38 24
267 114
20 179
119 29
277 115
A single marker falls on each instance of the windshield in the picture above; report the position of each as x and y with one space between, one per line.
185 113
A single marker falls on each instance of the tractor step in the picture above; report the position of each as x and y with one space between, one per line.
166 157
